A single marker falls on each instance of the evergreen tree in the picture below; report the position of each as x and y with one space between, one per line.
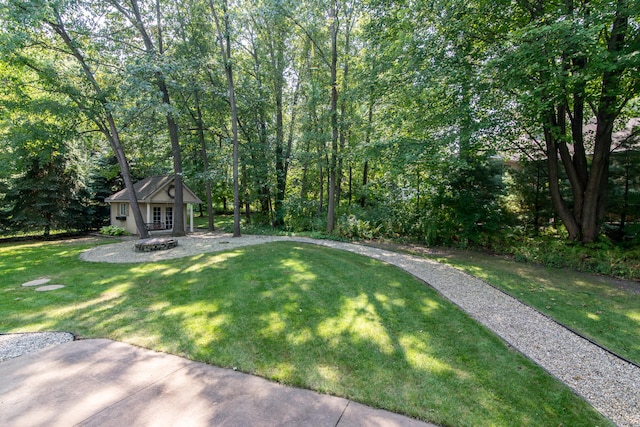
50 193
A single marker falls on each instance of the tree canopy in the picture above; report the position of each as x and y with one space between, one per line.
408 118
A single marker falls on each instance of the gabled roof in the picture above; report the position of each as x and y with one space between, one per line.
146 188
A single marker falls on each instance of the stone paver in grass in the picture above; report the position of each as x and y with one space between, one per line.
49 288
37 282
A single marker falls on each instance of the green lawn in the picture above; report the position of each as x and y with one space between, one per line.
299 314
221 222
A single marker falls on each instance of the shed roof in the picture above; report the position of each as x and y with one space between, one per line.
146 188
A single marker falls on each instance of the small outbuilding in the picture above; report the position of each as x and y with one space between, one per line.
156 200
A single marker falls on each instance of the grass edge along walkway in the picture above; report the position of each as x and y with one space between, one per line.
610 384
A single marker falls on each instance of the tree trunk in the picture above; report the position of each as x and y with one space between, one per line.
365 181
261 167
343 128
321 195
287 158
205 164
365 168
596 192
350 184
225 52
178 203
334 119
589 186
277 61
559 204
260 152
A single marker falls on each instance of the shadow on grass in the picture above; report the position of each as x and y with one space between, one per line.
305 316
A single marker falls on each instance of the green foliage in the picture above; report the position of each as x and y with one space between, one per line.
600 258
302 215
623 201
427 92
43 154
468 205
527 197
112 230
354 228
103 181
563 64
457 204
50 193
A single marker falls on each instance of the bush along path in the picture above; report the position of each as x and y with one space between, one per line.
610 384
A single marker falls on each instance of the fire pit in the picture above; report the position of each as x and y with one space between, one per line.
155 244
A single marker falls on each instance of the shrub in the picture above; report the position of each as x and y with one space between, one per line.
113 230
302 215
352 227
599 258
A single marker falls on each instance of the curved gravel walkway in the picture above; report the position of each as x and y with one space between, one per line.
609 384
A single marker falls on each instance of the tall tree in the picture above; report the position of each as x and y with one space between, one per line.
47 188
567 62
199 90
33 25
223 30
333 152
155 52
275 29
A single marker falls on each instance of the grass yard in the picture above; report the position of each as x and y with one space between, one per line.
222 221
299 314
604 309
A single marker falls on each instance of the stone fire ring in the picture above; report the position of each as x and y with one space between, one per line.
155 244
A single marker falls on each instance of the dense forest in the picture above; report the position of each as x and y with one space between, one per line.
464 123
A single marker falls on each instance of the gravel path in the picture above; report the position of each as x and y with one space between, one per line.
608 383
14 345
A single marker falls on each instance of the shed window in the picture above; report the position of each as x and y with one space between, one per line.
169 215
124 209
157 215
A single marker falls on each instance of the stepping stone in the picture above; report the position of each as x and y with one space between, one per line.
49 288
37 282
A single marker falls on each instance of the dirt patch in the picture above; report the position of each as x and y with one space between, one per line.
626 285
